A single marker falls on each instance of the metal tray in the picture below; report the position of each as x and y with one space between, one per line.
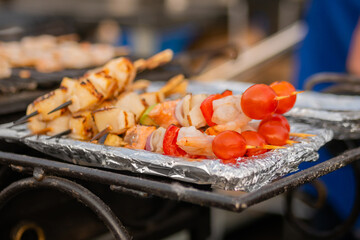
247 174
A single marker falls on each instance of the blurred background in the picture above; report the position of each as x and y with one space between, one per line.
147 27
213 40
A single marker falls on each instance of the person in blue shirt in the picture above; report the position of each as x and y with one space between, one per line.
332 41
332 44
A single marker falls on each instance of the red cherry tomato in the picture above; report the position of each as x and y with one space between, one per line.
259 101
229 145
206 106
277 118
169 142
274 133
254 139
229 161
284 89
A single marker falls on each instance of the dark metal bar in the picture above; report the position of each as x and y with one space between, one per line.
335 232
305 176
128 191
330 78
177 191
172 191
73 189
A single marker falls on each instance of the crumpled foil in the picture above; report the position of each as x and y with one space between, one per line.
247 174
339 113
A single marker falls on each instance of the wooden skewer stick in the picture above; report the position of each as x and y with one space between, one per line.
272 147
291 142
250 147
264 147
103 138
64 105
292 94
19 123
102 133
25 118
302 135
59 135
172 84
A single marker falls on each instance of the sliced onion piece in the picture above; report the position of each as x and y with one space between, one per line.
148 143
178 112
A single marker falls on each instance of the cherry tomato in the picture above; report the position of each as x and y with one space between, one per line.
169 142
259 101
284 89
229 161
274 133
206 106
253 138
277 118
229 145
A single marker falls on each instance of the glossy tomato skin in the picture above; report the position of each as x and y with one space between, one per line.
206 106
226 93
259 101
284 89
207 110
276 118
253 138
169 143
229 145
274 133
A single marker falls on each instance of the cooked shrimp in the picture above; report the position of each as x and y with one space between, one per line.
228 115
195 142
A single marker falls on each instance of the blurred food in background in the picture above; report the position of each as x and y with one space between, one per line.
48 53
147 27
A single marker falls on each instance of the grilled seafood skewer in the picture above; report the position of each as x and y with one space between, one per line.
93 88
80 126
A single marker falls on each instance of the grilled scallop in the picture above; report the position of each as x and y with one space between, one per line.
115 119
122 70
104 83
151 98
35 125
46 103
59 124
68 85
131 101
82 126
85 96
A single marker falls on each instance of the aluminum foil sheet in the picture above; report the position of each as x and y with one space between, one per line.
247 174
339 113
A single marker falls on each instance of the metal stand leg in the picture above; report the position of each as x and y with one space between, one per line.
76 191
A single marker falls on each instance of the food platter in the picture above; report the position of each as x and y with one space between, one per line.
247 174
200 137
339 113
